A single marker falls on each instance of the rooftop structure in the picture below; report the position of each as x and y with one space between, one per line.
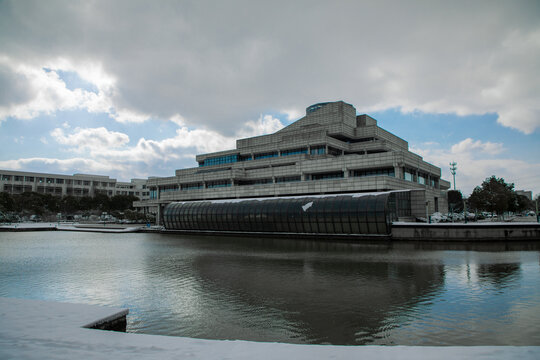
331 150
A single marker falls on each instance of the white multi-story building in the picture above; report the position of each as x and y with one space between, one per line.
331 150
17 182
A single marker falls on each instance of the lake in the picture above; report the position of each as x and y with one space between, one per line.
281 290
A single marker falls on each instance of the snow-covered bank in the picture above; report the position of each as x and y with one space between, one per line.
33 329
69 227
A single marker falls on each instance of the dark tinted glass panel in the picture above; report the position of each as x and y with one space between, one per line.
336 215
307 215
371 215
301 216
196 215
205 207
183 217
320 218
381 214
273 213
280 216
345 210
173 219
368 214
189 220
362 215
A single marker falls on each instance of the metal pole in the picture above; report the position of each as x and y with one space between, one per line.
453 169
537 215
465 210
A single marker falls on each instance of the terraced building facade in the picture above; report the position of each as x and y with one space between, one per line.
331 150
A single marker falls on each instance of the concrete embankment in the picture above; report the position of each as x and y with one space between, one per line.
466 232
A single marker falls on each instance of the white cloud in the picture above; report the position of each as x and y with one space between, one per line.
215 64
111 149
266 124
129 116
178 120
72 165
48 93
92 139
469 145
473 167
293 114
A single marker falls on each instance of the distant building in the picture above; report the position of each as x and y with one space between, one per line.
331 150
527 194
17 182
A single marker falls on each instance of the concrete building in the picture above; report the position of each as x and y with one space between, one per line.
330 150
527 194
17 182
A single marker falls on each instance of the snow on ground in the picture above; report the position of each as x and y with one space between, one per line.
72 227
32 329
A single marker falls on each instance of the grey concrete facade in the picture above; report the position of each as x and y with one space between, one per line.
330 150
17 182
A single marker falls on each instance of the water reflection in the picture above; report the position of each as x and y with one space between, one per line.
500 275
288 290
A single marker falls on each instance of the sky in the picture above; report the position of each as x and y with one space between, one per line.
132 89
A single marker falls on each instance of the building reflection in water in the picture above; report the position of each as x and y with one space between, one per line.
288 290
302 291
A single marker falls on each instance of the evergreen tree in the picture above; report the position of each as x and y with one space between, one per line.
494 195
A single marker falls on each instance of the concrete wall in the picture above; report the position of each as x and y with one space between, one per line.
466 232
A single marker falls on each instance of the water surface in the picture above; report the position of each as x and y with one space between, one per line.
287 290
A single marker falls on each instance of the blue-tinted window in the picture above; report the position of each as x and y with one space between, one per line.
227 159
319 150
294 151
265 155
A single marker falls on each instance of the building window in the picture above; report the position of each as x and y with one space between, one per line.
408 174
266 155
29 178
318 150
334 151
59 181
165 188
18 178
86 182
327 176
218 184
294 152
227 159
288 179
374 172
254 182
191 186
50 181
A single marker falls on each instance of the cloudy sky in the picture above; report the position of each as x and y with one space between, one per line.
133 89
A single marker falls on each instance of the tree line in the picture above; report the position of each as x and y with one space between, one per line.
42 204
494 195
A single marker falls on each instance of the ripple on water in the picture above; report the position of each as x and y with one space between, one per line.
287 291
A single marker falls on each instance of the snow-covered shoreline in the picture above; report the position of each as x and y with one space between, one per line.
32 329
